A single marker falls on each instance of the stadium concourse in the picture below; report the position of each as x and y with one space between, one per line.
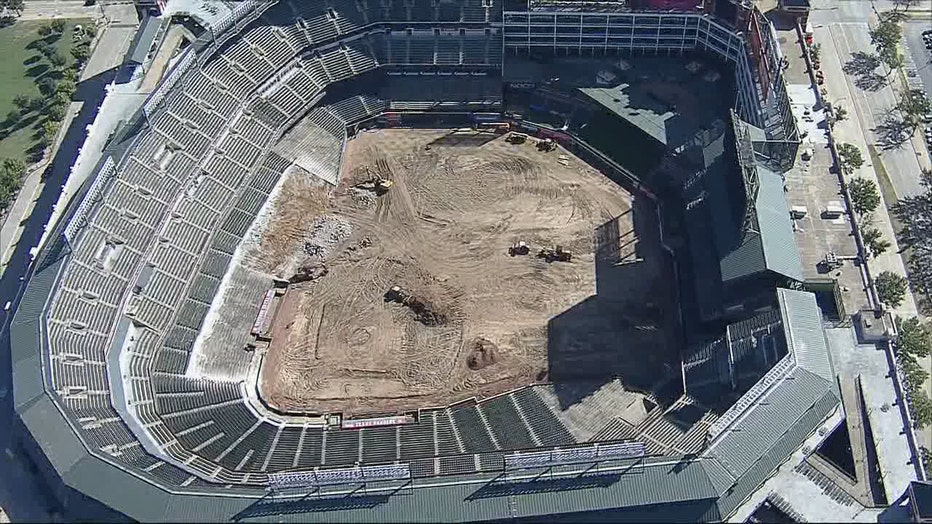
127 424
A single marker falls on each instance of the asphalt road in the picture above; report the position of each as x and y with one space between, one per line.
20 494
49 9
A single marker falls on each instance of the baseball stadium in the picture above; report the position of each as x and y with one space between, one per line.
433 260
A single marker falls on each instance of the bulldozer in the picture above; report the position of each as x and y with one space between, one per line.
555 254
546 145
516 138
376 184
518 248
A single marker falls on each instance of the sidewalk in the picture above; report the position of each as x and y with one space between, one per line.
852 130
32 187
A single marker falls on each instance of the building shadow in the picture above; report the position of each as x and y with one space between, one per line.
463 139
625 330
544 483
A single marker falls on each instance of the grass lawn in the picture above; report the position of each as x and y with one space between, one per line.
21 66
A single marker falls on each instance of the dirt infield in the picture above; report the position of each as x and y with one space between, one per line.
441 233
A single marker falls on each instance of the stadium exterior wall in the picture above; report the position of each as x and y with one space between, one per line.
57 438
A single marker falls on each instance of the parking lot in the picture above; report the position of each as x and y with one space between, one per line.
918 34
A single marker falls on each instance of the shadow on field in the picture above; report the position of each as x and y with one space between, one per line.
464 139
623 331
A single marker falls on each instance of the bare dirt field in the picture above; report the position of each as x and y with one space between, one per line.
441 233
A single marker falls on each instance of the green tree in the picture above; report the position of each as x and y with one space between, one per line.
850 157
913 338
841 113
865 197
50 129
11 180
58 25
885 38
65 88
36 103
921 407
891 288
44 47
13 165
47 86
55 112
815 51
61 99
70 74
80 52
57 60
44 30
874 240
914 104
21 102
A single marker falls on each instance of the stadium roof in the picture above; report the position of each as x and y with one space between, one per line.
771 246
646 114
142 42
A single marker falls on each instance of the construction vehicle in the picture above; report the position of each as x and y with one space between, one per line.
516 138
518 248
555 254
546 145
396 294
424 311
376 184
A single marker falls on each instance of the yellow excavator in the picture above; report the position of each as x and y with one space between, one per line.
376 184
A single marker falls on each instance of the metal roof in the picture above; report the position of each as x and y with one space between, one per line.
776 229
772 416
790 439
805 337
145 36
772 246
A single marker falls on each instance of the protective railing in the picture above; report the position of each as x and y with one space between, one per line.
772 377
94 194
